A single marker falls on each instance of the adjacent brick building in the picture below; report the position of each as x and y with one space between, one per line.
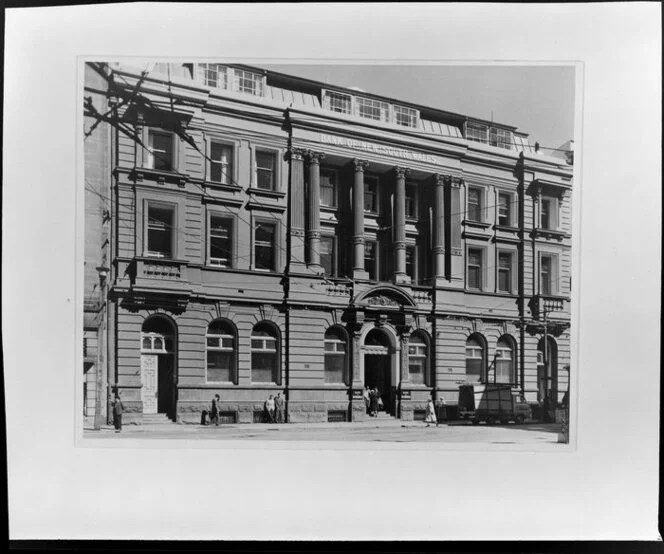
268 233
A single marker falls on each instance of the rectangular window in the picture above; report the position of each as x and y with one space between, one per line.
220 359
264 359
371 195
411 200
160 153
405 116
546 272
477 132
265 170
328 188
549 213
502 138
160 231
337 102
474 363
505 271
504 365
248 82
373 109
221 163
417 363
411 263
213 75
474 204
504 209
335 360
474 268
221 241
370 258
327 259
264 245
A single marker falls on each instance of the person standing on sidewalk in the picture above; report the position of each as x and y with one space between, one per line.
214 410
442 411
279 408
367 400
430 413
118 409
269 408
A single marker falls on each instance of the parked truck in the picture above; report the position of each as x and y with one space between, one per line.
492 402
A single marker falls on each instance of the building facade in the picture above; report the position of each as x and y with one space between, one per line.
263 233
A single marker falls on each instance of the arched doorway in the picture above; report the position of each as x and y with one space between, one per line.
158 372
378 370
547 376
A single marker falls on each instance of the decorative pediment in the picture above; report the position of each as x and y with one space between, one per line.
385 297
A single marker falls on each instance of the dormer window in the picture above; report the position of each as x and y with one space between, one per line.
494 136
373 109
477 133
220 76
405 116
338 102
502 138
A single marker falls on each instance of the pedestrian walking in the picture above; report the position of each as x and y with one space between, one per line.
279 404
214 409
430 413
269 408
442 411
118 409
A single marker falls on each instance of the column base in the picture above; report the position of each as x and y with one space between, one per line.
401 279
360 274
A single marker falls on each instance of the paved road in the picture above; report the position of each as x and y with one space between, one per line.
370 432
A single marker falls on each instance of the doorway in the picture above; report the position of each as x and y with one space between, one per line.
158 375
378 368
547 377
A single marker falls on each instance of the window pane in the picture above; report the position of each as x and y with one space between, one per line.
221 163
220 366
504 272
264 246
161 146
410 262
370 258
370 196
504 205
474 205
220 241
503 371
416 368
334 368
545 275
545 216
327 255
337 102
328 189
147 343
263 367
411 204
213 341
265 165
473 370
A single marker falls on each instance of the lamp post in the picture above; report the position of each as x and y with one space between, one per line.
103 274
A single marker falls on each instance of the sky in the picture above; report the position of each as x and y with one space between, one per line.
537 99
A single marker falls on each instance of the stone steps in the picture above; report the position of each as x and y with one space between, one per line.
152 419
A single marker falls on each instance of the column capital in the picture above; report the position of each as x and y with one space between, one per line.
440 179
454 182
295 154
360 165
401 172
314 157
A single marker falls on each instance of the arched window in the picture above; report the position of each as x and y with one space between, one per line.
418 359
264 354
475 358
505 360
336 356
157 335
221 358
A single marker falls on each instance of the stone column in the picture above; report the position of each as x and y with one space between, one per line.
313 220
399 223
404 339
358 408
455 212
439 228
296 209
358 220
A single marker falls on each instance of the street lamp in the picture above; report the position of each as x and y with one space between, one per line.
103 274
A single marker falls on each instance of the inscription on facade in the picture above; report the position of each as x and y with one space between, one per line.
379 149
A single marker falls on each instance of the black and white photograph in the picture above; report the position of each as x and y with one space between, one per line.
279 249
332 272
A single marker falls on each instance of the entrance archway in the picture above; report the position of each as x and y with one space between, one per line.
379 367
158 371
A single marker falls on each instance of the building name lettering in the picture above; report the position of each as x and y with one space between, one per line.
379 149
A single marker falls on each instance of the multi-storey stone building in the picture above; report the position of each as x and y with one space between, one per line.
267 233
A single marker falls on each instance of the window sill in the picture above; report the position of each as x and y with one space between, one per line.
223 186
549 234
506 228
476 224
138 174
266 193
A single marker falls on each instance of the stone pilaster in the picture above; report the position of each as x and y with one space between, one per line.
455 211
313 220
358 219
404 340
296 209
439 228
399 223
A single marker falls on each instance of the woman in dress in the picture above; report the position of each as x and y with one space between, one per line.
430 413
